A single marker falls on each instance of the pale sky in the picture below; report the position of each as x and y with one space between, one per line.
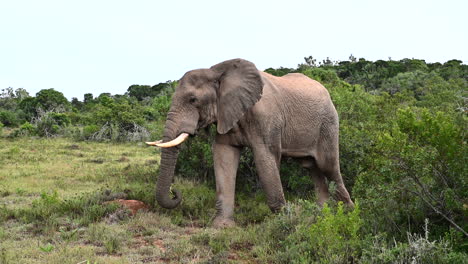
98 46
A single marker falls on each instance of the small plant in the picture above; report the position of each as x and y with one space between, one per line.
88 131
201 239
334 238
68 235
26 129
417 249
3 256
20 191
48 248
3 234
112 244
219 243
108 237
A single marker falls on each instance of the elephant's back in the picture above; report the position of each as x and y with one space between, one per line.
297 84
303 105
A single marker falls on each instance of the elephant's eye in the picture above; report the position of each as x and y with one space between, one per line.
192 100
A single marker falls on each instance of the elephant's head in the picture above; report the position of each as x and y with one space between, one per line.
221 95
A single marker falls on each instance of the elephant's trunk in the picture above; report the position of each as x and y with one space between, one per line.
166 175
166 170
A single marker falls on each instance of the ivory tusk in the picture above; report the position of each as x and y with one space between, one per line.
153 143
181 138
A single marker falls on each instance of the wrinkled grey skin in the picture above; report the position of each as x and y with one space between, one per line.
291 116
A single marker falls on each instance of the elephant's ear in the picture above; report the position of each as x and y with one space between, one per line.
240 87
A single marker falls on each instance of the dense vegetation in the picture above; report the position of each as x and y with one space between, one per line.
403 156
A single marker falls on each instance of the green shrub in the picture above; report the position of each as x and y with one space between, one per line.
414 170
50 124
8 118
60 119
196 158
26 129
89 131
325 76
117 132
335 237
197 206
296 179
416 249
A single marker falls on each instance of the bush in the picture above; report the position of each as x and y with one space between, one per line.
89 131
324 76
304 233
26 129
413 171
417 249
116 132
50 124
60 119
196 157
335 237
8 118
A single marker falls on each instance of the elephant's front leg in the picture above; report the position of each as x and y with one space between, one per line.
226 161
267 162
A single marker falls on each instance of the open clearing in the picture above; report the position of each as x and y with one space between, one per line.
50 193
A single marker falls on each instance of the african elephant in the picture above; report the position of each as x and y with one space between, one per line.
290 116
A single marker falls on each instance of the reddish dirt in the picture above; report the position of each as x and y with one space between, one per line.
133 205
159 243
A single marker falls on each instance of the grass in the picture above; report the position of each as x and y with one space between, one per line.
53 210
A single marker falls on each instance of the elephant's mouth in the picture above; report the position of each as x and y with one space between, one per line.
175 142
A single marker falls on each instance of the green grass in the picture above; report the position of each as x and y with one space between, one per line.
53 210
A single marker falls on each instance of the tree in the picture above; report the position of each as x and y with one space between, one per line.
143 91
28 106
310 61
282 71
88 98
76 103
21 93
50 99
453 69
139 91
9 98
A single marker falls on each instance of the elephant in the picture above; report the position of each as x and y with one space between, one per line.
290 116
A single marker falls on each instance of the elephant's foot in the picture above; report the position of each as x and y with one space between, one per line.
276 203
343 195
321 200
221 222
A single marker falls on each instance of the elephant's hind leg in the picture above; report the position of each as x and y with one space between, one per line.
319 179
329 166
321 185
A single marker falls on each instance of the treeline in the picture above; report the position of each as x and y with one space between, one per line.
127 117
402 142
